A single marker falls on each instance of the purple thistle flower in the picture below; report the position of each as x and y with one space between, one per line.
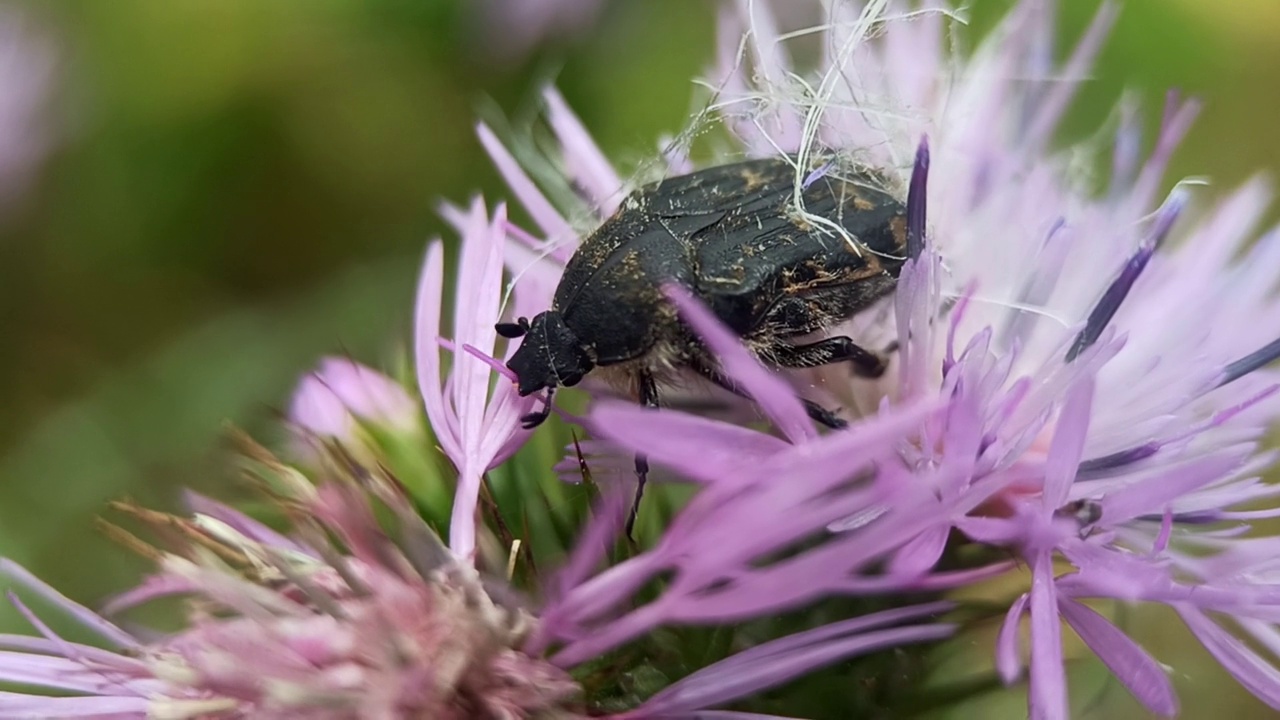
1106 386
584 618
1106 394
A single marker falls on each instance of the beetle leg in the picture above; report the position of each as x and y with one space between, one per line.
648 391
823 416
534 419
816 412
825 352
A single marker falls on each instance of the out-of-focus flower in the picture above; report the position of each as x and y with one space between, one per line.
28 63
331 402
513 28
380 626
1106 393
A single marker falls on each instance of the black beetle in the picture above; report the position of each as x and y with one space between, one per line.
733 236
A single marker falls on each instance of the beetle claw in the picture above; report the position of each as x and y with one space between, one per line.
824 416
534 419
642 475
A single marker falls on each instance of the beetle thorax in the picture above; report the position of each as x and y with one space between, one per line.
550 356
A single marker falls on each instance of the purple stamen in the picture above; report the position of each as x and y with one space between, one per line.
1204 517
491 361
1099 465
524 236
916 200
1107 307
1247 364
1166 532
815 176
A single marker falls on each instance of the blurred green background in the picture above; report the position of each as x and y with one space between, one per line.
231 188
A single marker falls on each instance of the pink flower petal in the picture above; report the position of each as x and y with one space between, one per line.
583 159
426 351
542 212
1142 675
1067 448
1048 676
86 617
1008 652
773 394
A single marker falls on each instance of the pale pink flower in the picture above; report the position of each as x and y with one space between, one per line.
332 401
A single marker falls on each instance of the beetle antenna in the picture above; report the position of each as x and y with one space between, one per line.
513 330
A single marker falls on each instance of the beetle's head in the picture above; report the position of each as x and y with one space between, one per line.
550 355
